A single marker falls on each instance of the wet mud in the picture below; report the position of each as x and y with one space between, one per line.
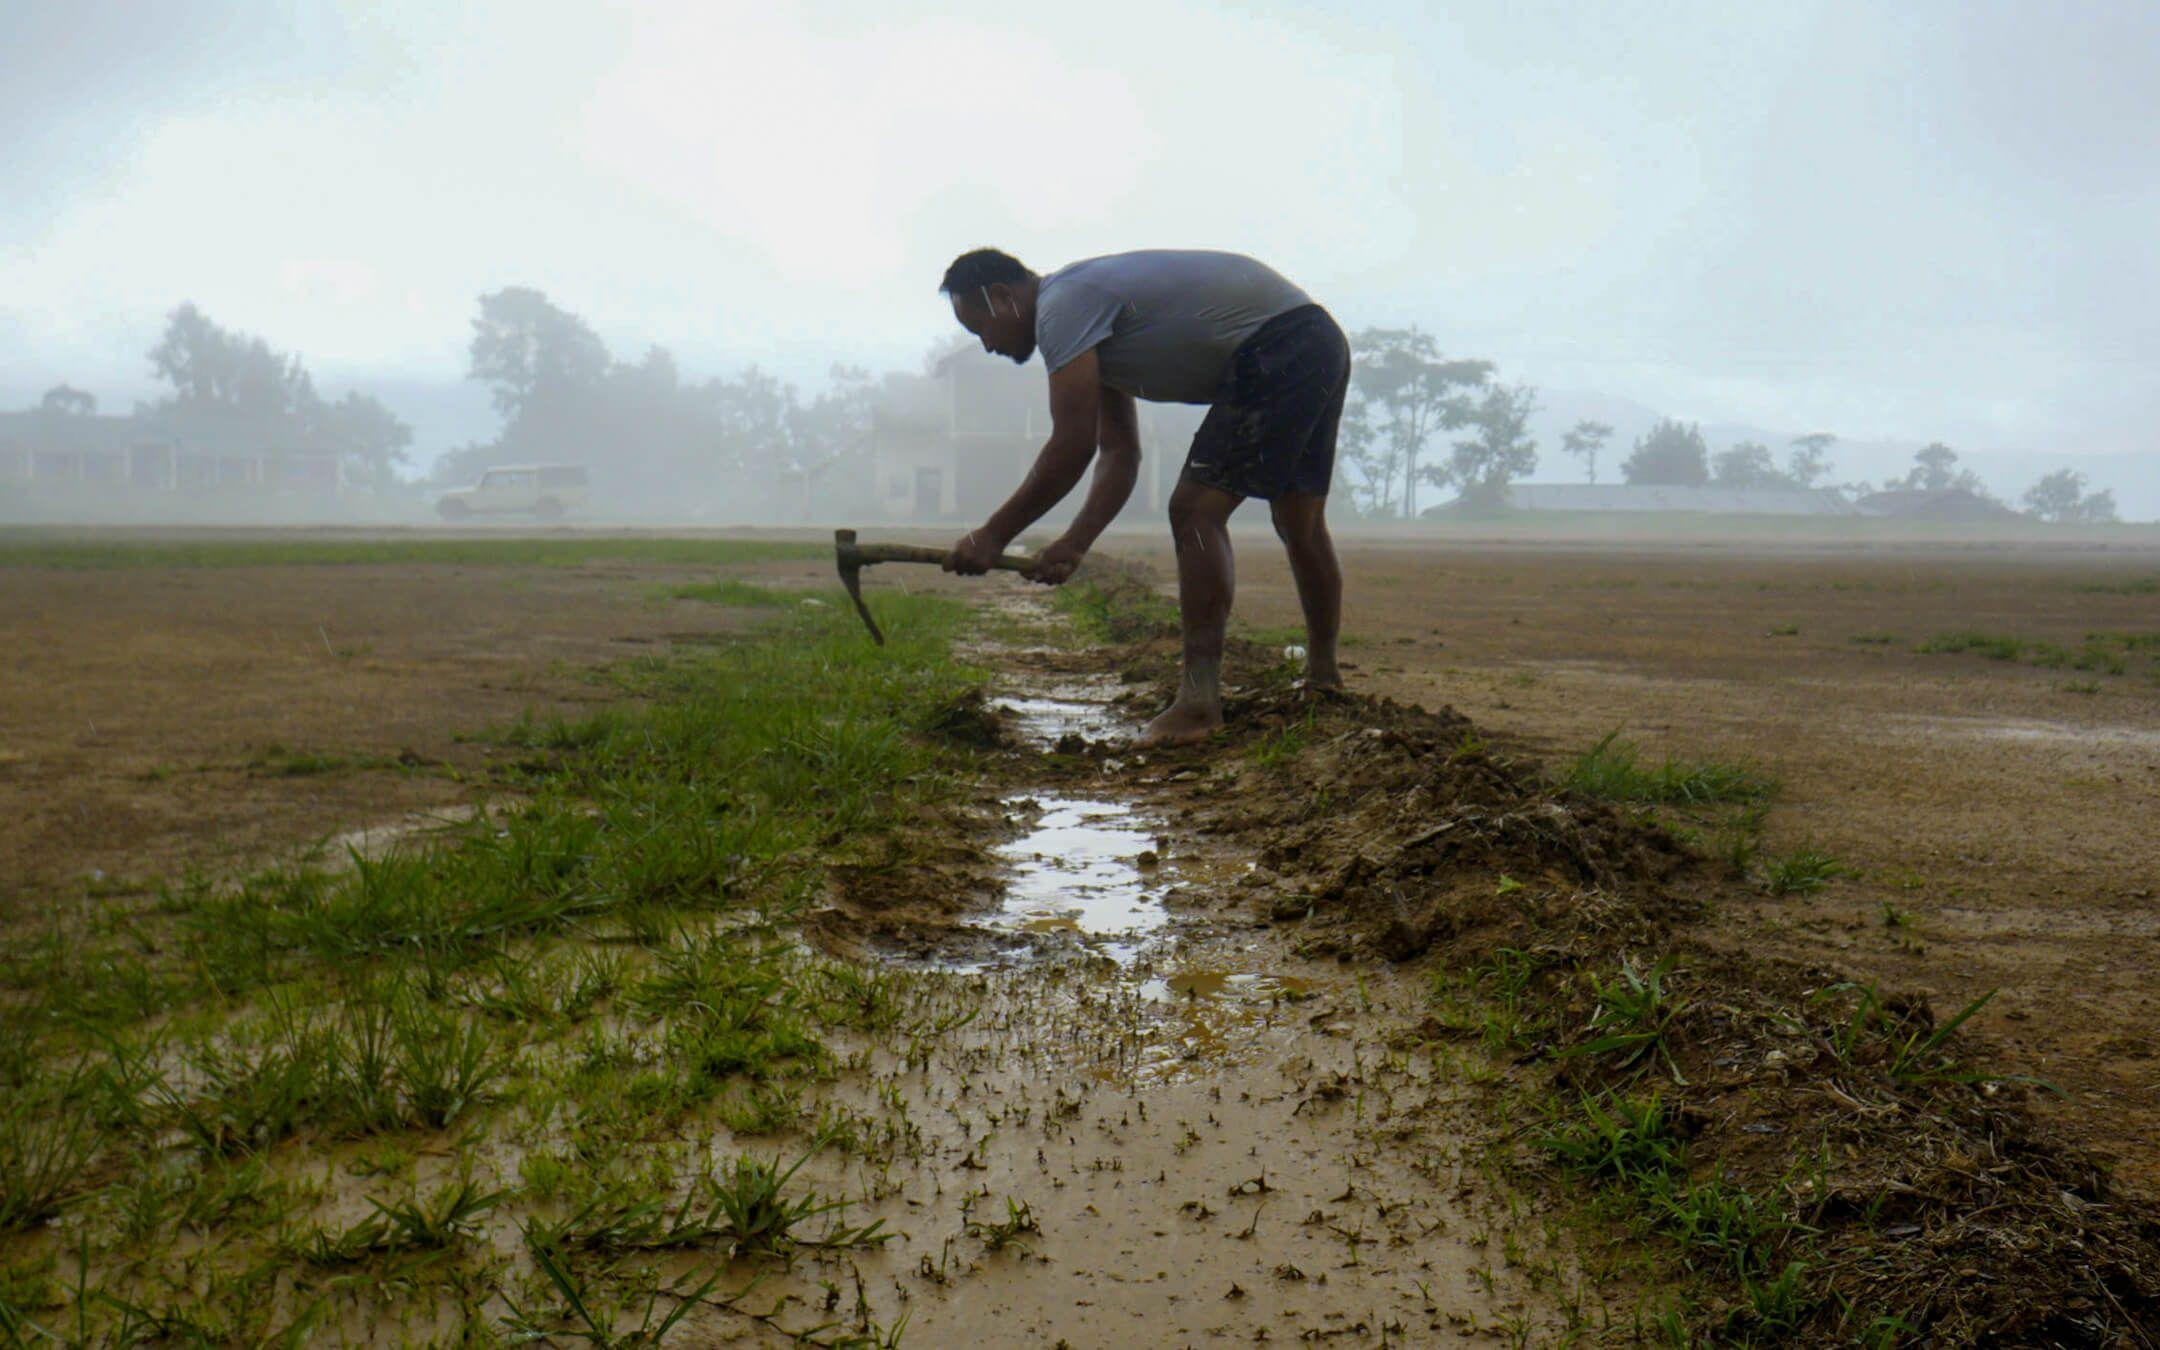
1209 1134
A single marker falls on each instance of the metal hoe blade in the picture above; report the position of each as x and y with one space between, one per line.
850 559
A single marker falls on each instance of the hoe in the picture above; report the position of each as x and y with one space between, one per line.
854 557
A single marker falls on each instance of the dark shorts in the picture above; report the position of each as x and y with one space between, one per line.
1272 429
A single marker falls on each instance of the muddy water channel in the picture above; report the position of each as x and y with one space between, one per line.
1201 1133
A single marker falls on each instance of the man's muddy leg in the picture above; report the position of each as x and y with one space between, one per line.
1301 523
1200 527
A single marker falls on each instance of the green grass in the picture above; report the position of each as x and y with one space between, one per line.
1616 770
1801 872
1873 639
2134 586
451 1215
732 593
1626 1139
1110 603
747 1208
2148 641
34 551
1494 1000
2107 653
1280 748
595 967
1908 1047
1633 1012
1991 645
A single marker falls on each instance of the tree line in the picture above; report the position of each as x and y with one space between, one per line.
236 394
1416 417
563 396
1413 418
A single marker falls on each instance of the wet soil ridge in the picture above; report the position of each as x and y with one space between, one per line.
1829 1157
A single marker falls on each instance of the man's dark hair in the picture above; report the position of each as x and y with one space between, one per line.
971 272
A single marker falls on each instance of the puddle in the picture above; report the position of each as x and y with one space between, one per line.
1225 986
373 842
1088 874
1045 719
1086 867
2038 733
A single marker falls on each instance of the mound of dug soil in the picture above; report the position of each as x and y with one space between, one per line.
1837 1156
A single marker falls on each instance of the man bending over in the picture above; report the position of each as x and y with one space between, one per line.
1173 327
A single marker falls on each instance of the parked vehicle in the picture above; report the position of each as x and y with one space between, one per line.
544 491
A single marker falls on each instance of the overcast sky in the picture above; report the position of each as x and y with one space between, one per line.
1894 220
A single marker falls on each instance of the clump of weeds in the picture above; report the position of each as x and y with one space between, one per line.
1802 872
998 1234
751 1211
1617 770
1632 1013
451 1215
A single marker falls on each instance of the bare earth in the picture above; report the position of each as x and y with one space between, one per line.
2014 817
157 719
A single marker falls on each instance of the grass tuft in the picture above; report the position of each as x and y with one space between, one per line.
1615 770
732 593
1802 872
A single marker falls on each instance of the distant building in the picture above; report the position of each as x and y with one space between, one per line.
952 445
1959 504
1646 497
86 455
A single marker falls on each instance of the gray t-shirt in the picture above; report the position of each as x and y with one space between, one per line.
1163 322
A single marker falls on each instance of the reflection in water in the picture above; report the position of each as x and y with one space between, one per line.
1087 872
1198 983
1078 871
1044 721
1206 1013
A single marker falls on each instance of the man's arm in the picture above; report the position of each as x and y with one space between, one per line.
1075 406
1117 469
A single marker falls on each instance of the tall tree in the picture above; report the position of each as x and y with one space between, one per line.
1935 470
1810 458
1934 467
2056 496
830 441
2061 497
535 355
367 436
1584 440
1402 394
2098 508
215 371
1747 465
1670 453
234 391
1498 451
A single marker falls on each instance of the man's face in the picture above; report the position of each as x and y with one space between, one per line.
993 315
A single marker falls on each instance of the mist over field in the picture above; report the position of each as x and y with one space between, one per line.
317 261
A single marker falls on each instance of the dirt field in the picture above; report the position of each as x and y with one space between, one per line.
155 719
2010 811
1995 818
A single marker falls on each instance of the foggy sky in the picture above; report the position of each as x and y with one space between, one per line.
1894 220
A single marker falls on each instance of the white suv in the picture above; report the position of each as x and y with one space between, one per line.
545 491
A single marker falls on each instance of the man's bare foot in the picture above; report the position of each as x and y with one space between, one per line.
1322 674
1181 723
